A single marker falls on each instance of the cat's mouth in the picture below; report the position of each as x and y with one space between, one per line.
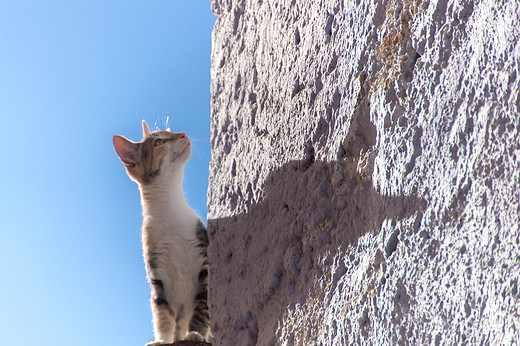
186 147
184 152
187 150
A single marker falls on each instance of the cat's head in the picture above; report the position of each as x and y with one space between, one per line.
159 154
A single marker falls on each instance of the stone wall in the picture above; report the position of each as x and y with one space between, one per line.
364 179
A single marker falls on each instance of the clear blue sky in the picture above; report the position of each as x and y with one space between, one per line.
73 74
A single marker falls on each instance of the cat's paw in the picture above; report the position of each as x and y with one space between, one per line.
194 336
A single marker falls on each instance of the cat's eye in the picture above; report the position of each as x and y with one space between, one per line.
158 142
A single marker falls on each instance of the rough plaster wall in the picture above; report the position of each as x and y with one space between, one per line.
364 182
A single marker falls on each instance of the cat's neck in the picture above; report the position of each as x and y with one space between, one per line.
164 200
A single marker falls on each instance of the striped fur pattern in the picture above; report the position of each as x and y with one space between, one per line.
200 319
174 238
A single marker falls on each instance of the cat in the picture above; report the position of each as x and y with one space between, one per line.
174 238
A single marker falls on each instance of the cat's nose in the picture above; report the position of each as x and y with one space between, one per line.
182 135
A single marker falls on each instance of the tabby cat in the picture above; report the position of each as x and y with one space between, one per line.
174 239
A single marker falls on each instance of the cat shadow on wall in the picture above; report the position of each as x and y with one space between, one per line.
278 254
267 260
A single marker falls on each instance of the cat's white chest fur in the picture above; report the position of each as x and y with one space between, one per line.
170 247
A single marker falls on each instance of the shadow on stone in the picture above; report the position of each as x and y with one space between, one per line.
273 256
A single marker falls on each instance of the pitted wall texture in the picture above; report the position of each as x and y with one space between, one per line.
364 179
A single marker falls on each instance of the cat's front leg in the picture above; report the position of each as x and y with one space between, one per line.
164 317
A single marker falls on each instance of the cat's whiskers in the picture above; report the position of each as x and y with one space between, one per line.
155 123
162 122
167 123
195 148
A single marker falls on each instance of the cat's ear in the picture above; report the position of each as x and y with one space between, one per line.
126 150
146 129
